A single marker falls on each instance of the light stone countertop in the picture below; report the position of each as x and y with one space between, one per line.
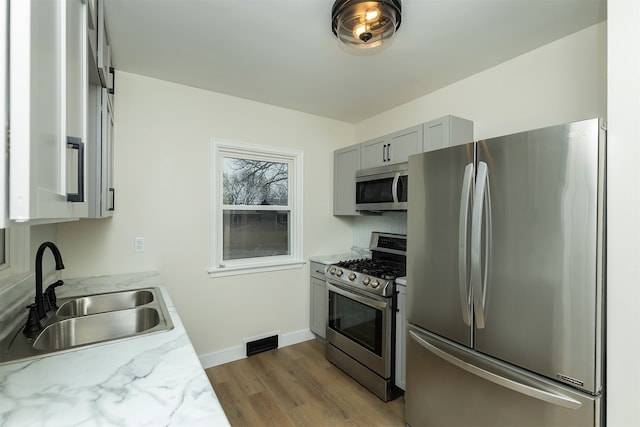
152 380
332 259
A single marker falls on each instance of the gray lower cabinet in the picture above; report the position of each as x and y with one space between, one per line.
346 161
401 337
447 131
319 300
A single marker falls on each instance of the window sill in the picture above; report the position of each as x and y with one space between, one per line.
255 268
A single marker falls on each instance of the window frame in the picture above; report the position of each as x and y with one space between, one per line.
17 256
225 148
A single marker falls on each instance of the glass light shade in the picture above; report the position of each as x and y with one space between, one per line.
362 26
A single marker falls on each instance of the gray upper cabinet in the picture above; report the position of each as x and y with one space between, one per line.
104 61
392 148
4 104
447 131
374 152
101 191
103 50
47 101
404 143
346 161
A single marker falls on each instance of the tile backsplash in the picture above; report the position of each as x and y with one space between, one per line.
389 222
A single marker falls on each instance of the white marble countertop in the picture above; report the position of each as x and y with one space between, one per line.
334 258
152 380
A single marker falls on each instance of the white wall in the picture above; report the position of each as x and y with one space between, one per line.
560 82
623 192
162 172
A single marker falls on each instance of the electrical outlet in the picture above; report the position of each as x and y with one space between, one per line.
138 244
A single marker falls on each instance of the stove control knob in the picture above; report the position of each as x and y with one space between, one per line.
332 270
352 276
366 280
338 272
375 283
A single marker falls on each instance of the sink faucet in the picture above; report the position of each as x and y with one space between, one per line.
41 305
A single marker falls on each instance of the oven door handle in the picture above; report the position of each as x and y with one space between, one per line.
361 299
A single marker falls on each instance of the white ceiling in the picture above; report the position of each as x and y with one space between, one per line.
282 52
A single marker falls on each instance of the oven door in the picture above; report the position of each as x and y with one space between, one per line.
360 325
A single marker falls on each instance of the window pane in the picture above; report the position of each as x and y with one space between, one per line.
250 234
254 182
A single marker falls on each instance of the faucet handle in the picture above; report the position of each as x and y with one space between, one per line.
33 326
51 293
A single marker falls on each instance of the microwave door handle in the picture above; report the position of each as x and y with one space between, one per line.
394 187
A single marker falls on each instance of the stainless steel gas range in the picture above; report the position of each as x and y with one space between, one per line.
361 318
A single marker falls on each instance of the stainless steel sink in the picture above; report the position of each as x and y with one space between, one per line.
101 327
102 303
91 320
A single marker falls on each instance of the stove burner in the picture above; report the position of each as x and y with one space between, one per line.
376 268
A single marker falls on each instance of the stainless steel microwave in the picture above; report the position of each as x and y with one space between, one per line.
383 188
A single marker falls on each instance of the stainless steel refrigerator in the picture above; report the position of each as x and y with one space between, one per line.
505 272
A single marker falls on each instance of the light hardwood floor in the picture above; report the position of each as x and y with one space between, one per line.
297 386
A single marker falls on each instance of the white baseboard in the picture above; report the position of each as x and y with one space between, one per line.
236 353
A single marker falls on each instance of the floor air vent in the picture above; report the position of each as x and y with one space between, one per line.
263 344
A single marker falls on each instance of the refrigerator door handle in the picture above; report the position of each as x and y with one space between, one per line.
481 205
539 393
463 274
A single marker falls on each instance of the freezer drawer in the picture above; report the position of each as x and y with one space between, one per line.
449 385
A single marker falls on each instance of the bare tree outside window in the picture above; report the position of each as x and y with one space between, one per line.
261 231
255 182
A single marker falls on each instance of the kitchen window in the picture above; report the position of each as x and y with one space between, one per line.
256 220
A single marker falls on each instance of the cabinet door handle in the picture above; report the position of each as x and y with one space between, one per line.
77 144
112 89
386 152
112 199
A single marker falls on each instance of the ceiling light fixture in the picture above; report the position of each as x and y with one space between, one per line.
364 27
